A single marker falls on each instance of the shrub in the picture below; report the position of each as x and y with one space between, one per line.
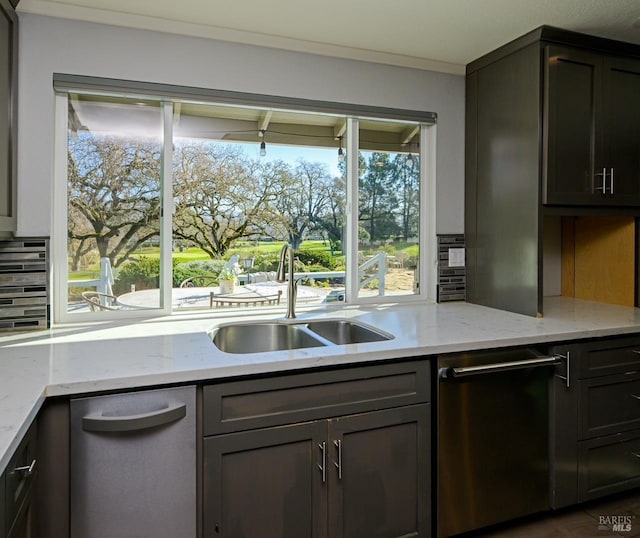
266 262
320 258
182 271
143 273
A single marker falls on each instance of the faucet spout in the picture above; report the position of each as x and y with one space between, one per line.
292 285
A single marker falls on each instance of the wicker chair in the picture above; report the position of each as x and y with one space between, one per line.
200 281
100 301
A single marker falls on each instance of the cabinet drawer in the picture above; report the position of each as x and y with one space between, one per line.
608 465
613 356
261 403
609 405
19 476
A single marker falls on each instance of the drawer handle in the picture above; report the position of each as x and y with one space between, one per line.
636 396
26 469
635 454
100 423
636 351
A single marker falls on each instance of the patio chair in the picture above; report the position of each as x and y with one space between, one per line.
200 281
100 301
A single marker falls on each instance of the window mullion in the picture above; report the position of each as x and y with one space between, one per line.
352 280
60 201
428 265
166 217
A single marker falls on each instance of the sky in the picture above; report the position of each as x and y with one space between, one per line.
291 154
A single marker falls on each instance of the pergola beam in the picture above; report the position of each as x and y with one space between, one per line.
408 134
263 122
339 129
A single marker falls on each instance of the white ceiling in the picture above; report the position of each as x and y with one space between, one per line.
442 35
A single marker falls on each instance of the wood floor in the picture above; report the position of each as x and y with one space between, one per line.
578 522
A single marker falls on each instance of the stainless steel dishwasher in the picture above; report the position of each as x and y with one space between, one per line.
493 437
133 465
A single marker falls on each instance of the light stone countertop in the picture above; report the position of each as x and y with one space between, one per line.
92 357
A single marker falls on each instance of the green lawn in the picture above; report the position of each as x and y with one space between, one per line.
85 275
244 249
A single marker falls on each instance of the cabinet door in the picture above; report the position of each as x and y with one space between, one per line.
621 118
23 526
20 475
573 90
379 479
269 483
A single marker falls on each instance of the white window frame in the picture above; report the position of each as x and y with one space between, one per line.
428 259
59 243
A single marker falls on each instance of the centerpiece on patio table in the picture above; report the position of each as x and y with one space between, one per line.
227 280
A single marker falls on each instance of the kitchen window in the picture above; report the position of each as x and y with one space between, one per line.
159 199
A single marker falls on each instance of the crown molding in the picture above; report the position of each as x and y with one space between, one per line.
102 16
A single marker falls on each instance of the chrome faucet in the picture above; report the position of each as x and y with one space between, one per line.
292 286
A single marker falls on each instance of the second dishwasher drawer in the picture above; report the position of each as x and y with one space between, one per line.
133 465
610 404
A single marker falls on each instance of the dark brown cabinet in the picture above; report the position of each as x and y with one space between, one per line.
17 511
266 483
595 428
592 133
552 129
379 484
346 475
8 116
609 417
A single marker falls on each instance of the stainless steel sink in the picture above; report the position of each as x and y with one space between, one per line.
342 332
260 337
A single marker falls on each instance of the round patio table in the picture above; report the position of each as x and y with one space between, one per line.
180 297
201 297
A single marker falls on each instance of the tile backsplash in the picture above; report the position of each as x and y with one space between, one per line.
24 284
452 274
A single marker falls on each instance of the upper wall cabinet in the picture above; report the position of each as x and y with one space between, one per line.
552 128
591 128
8 116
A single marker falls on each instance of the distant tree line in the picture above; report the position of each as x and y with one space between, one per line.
222 196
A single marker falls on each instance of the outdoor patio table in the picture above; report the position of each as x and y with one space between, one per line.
202 297
180 297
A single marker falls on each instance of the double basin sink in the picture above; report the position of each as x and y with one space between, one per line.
259 337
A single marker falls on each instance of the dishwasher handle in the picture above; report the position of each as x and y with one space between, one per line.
468 371
97 422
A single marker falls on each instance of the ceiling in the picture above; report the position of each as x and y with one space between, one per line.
442 35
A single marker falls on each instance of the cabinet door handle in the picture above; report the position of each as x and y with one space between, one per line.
636 396
567 359
323 466
611 185
604 181
338 464
635 454
26 469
